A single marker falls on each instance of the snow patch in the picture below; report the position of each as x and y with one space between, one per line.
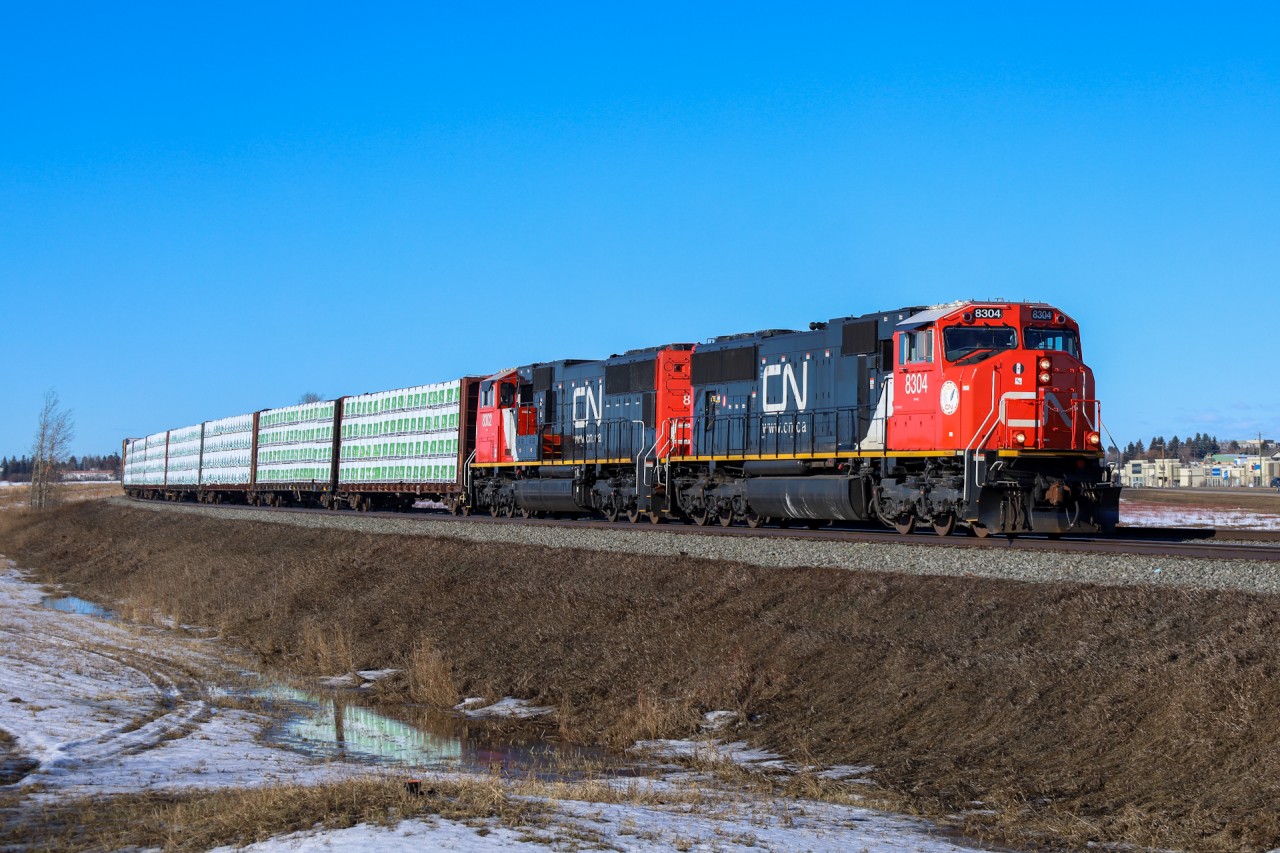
507 707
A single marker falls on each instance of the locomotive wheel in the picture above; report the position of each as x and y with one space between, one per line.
944 525
610 512
702 518
634 515
905 525
464 510
526 513
980 531
654 517
754 520
508 511
726 518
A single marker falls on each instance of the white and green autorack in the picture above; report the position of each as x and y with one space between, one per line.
408 435
388 449
228 451
295 445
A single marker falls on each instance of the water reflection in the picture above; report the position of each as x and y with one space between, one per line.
334 727
71 604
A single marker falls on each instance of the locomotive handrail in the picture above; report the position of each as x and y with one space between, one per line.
643 454
970 447
466 472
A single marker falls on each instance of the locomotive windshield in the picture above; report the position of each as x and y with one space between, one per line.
1059 339
971 344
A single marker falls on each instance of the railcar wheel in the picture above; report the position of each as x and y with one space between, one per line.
784 523
610 512
634 515
905 525
654 517
944 525
814 523
494 510
755 519
980 531
526 513
726 518
464 510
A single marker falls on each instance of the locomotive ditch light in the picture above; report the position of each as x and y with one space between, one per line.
1044 378
1020 437
1093 439
1045 363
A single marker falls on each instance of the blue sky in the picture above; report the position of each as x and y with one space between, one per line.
210 210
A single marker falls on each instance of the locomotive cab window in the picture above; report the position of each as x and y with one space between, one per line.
1064 340
971 344
916 347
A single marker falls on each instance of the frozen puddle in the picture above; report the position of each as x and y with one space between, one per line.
96 706
71 604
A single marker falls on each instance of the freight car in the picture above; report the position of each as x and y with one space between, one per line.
385 450
981 415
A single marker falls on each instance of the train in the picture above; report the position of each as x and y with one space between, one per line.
979 416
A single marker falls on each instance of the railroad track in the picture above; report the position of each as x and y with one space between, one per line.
1146 541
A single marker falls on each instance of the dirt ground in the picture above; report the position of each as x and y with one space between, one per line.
1257 500
1054 714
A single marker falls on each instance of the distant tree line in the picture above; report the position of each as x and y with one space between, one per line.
18 469
1185 449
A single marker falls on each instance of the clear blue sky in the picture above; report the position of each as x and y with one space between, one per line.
209 210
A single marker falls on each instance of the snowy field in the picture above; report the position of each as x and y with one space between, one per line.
1147 514
100 706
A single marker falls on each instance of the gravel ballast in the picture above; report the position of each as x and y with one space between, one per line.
996 562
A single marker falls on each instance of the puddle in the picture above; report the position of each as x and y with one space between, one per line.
71 604
338 727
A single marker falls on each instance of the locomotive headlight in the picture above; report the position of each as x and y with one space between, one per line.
1044 378
1045 363
1093 439
1020 437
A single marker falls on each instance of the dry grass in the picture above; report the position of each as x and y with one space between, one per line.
1106 714
15 497
202 820
429 676
199 820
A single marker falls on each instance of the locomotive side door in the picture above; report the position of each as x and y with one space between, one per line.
917 383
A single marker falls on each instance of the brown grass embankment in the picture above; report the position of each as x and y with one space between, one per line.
1144 715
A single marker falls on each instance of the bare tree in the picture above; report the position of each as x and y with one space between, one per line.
309 397
49 452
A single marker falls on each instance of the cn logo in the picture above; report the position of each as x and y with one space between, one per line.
486 419
790 387
590 404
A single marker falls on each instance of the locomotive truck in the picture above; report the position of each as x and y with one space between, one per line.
979 415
